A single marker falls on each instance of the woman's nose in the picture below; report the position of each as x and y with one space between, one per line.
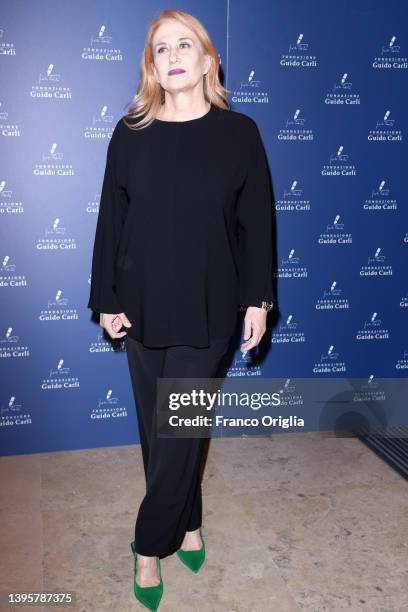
173 55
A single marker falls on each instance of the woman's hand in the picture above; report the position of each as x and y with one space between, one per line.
113 322
255 322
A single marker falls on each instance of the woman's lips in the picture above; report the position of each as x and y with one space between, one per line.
175 71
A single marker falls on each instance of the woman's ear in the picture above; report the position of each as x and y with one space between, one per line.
209 62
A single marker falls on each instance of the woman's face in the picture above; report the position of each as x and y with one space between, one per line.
176 47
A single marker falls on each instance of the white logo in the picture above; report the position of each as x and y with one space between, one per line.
299 55
101 48
390 57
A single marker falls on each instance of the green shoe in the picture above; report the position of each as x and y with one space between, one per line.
148 596
193 558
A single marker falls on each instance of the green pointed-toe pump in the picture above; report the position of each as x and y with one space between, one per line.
193 558
148 596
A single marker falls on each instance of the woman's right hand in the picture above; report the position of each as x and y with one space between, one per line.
113 322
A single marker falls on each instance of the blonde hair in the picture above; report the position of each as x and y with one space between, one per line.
150 94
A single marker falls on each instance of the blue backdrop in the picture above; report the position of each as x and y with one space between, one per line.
326 82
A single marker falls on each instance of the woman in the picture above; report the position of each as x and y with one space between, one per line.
183 240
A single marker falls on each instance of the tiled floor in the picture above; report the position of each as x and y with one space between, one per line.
290 522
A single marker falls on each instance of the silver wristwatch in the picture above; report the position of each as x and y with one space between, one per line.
267 306
264 304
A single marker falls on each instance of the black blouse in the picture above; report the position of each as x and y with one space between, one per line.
184 230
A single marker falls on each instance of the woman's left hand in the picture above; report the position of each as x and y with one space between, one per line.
255 322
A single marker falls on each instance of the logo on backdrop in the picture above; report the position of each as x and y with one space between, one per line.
376 266
299 55
293 200
13 414
102 48
7 278
250 91
329 363
372 329
10 347
402 364
294 129
339 164
60 378
334 233
290 267
58 309
8 206
51 164
384 130
341 93
49 86
6 48
289 396
93 205
288 332
380 199
7 129
404 302
243 365
390 57
369 391
332 299
108 408
105 345
102 125
56 241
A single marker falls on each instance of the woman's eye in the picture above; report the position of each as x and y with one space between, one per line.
164 48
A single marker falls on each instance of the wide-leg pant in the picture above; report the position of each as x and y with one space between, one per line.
172 504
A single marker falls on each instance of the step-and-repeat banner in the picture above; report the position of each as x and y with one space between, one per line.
326 83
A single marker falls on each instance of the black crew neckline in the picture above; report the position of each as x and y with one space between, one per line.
187 121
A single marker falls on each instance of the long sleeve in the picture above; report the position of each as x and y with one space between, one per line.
112 213
254 214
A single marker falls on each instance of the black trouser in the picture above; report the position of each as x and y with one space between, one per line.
172 504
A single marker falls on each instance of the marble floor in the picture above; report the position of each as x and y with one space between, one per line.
300 522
